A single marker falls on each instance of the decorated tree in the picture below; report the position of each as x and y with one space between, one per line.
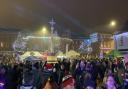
19 44
85 46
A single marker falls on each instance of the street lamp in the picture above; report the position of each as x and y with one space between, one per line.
113 23
44 30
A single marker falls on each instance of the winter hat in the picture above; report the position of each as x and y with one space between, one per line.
67 80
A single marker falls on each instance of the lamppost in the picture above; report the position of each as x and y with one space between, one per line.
113 24
44 31
52 23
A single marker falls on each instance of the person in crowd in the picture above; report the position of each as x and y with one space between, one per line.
28 81
61 72
2 77
73 66
109 83
125 82
52 82
37 75
75 74
55 77
80 69
68 82
48 85
94 72
87 81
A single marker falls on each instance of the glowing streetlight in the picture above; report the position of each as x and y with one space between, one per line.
113 23
44 30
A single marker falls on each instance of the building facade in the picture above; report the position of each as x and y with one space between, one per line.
121 42
103 45
7 40
75 44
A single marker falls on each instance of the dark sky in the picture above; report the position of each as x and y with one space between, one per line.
80 16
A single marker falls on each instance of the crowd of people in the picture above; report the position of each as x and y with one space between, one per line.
64 74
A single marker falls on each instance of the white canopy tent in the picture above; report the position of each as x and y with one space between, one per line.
34 54
32 58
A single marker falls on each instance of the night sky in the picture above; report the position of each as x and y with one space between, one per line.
79 16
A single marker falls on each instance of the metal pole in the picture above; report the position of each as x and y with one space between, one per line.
52 23
52 50
67 49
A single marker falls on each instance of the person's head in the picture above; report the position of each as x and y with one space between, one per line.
36 65
87 76
88 65
68 83
2 70
82 64
89 87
